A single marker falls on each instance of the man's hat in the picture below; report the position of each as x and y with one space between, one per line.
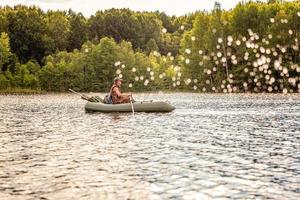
117 79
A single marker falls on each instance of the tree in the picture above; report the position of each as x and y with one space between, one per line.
151 46
274 1
3 21
124 24
96 26
151 28
217 6
167 21
4 50
253 47
27 29
58 30
78 30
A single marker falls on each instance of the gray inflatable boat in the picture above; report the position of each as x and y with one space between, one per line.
126 107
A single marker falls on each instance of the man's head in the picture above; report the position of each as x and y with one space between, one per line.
118 81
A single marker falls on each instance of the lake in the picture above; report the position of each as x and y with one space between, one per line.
213 146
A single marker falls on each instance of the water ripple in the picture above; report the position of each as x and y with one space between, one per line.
212 146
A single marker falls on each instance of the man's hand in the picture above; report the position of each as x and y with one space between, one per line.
128 94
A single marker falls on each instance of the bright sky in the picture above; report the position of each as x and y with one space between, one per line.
89 7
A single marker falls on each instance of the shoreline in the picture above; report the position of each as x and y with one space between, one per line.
20 91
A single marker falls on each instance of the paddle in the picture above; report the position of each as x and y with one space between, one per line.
131 104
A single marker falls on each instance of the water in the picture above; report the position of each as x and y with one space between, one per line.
211 146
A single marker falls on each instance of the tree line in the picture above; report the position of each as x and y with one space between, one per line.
251 48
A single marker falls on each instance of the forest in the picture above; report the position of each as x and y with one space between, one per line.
253 47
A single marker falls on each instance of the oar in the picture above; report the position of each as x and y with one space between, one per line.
83 96
131 105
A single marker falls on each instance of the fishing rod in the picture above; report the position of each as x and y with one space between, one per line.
83 96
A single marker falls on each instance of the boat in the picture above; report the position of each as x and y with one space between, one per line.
142 106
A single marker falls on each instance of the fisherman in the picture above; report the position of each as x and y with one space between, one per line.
116 95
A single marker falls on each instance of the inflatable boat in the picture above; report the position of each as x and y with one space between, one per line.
126 107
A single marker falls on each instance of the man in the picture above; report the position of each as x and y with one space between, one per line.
116 95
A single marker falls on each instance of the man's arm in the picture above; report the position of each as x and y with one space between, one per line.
117 91
119 94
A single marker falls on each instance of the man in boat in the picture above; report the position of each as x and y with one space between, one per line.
116 95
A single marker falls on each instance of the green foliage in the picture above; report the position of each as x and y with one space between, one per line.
4 49
25 76
78 30
26 29
93 67
3 22
124 24
167 22
251 48
58 31
254 47
151 46
4 83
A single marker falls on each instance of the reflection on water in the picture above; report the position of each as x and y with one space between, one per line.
211 146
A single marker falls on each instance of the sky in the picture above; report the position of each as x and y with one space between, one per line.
89 7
